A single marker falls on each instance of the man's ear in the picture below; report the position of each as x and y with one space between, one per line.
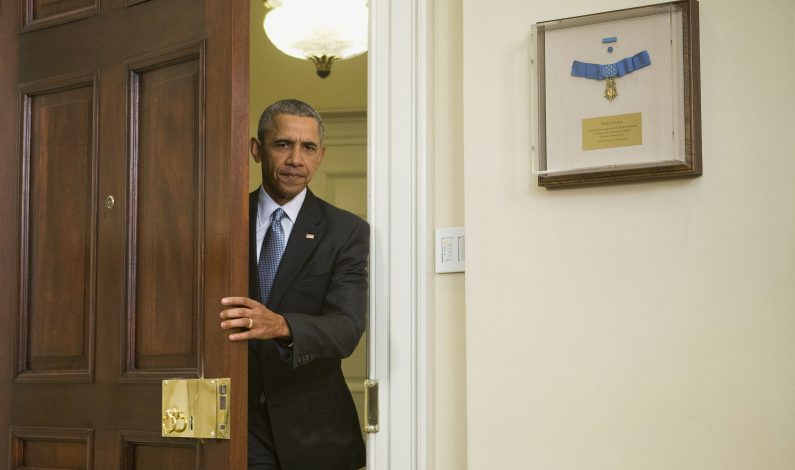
254 148
322 154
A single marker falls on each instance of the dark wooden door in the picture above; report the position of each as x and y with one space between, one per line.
123 181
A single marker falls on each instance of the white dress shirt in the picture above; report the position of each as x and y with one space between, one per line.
265 207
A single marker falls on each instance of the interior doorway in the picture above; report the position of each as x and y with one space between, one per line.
341 99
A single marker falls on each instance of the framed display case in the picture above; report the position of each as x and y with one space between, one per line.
616 96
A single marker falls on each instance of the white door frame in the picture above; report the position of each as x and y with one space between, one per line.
398 78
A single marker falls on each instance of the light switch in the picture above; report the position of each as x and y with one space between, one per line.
450 250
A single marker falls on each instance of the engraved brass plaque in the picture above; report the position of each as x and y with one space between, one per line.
620 130
196 408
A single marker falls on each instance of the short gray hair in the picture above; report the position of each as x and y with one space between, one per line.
291 107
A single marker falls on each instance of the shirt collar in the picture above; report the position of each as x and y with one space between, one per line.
267 205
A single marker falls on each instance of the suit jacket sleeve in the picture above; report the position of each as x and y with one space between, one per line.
326 306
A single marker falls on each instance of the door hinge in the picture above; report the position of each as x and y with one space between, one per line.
196 408
371 406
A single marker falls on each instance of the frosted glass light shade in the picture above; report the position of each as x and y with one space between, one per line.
319 30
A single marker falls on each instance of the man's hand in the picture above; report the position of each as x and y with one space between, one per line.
243 312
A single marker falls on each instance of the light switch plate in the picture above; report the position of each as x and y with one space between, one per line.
450 250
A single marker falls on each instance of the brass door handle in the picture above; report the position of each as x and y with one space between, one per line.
174 421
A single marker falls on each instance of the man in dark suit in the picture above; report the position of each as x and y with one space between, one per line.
310 308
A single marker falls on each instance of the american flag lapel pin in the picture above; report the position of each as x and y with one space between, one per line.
310 236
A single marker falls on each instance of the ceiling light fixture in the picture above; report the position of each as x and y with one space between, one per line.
323 31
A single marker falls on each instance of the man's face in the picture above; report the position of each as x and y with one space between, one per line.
289 155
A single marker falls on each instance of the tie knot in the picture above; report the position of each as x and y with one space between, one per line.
277 215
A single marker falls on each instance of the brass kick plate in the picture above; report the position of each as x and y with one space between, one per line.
195 408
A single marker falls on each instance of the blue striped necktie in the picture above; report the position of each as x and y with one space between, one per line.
270 254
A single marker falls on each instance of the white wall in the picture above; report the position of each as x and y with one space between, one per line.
643 326
447 449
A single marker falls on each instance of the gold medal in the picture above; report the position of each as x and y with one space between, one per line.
610 72
610 88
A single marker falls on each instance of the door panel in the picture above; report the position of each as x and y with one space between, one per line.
58 248
45 13
141 451
51 448
125 165
166 204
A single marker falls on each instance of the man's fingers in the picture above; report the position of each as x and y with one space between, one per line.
238 322
245 313
246 335
236 312
242 301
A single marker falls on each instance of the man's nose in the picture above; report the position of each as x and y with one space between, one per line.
295 157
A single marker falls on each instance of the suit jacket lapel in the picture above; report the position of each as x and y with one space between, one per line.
306 234
253 276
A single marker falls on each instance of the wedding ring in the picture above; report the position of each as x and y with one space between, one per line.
250 323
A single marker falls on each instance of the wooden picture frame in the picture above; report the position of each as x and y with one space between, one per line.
616 96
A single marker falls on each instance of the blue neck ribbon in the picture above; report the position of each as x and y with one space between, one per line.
618 69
